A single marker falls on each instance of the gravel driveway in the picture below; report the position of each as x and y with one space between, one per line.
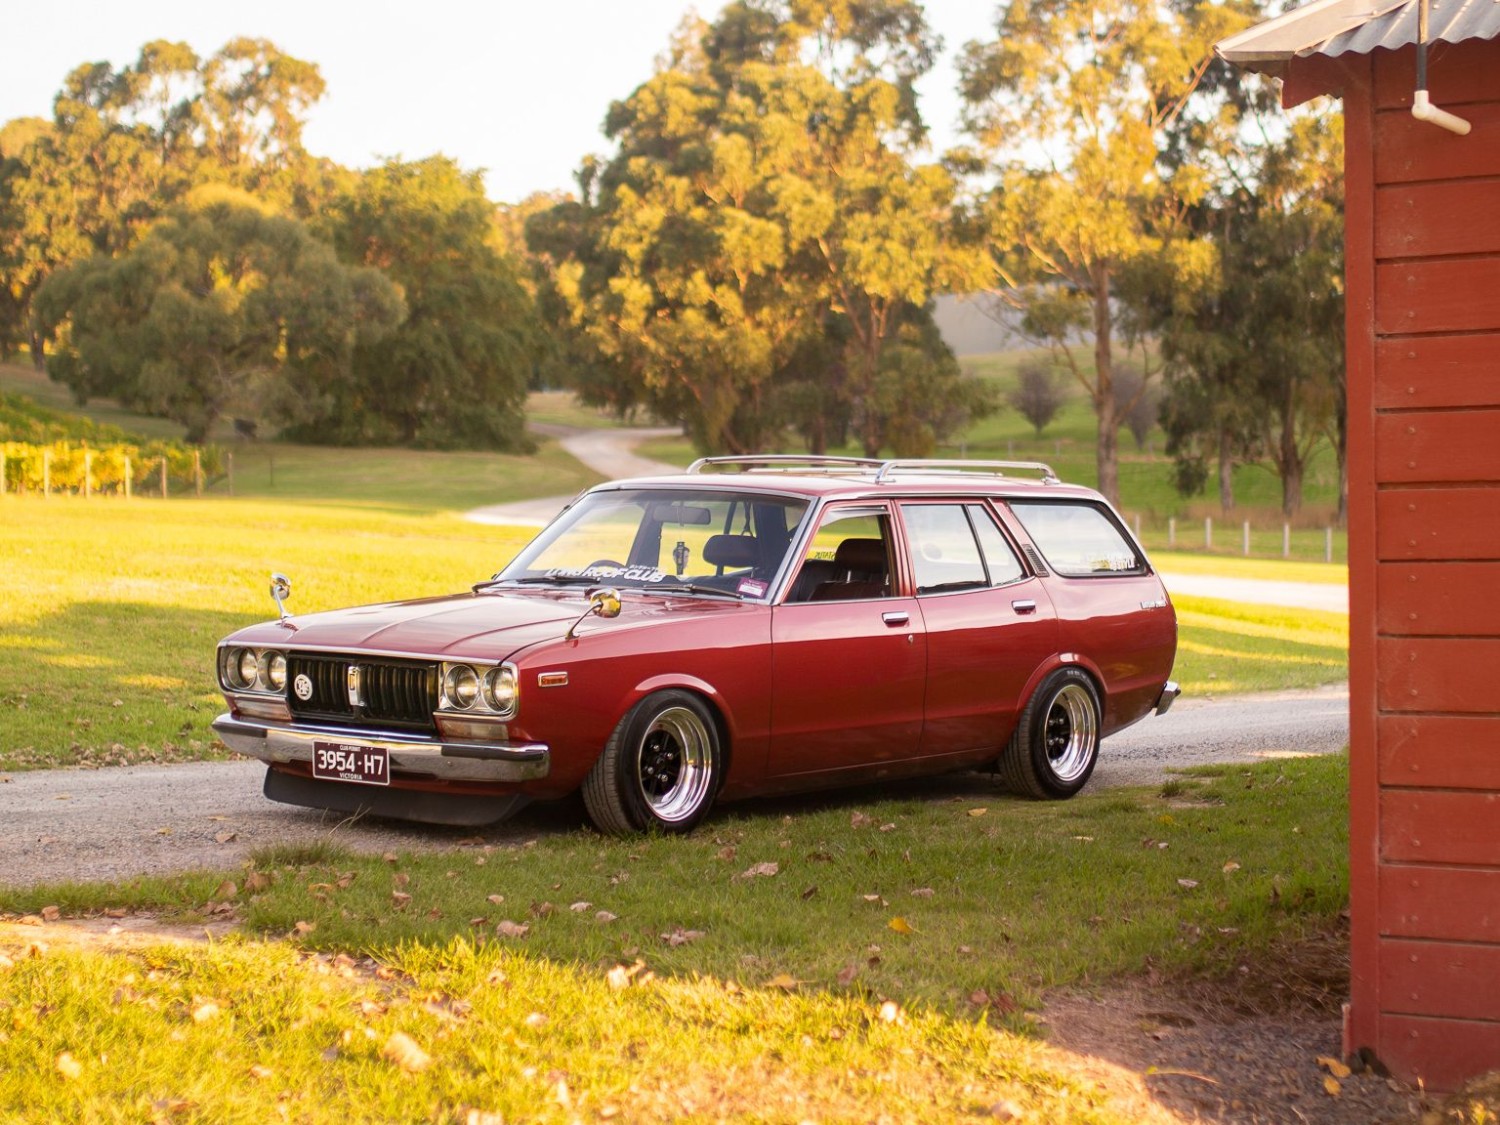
114 824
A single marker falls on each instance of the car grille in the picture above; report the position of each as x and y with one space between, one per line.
392 693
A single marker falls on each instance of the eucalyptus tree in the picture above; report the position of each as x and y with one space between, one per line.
221 306
1071 104
765 196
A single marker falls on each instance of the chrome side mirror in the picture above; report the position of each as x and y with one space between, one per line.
603 602
281 589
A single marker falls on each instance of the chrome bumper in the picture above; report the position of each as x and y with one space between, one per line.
1169 693
409 753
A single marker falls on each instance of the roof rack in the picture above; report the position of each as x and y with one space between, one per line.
788 462
885 470
916 467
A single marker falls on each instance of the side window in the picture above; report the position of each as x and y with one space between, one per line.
847 558
944 553
1077 538
998 556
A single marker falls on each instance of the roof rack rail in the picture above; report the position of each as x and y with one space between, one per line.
788 462
915 467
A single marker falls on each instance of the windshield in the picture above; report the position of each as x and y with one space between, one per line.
698 541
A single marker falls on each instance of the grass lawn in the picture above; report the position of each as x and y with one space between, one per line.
870 948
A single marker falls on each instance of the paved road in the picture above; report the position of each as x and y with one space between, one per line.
114 824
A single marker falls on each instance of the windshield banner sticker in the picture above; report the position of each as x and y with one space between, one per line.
615 573
752 587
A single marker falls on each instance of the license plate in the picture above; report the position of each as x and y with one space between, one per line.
347 761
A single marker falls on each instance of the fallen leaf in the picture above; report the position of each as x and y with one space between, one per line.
891 827
261 1072
847 974
727 853
901 925
890 1012
346 880
679 936
403 1051
1231 867
1333 1066
304 927
535 1019
859 820
226 889
68 1066
390 857
622 975
257 881
922 892
401 878
496 899
52 913
874 898
400 898
163 831
809 893
783 981
581 907
507 928
224 837
1332 1087
978 812
605 916
761 869
1187 884
205 1012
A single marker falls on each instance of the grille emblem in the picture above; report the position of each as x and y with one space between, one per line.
352 679
303 686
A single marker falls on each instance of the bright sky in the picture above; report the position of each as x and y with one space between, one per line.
517 88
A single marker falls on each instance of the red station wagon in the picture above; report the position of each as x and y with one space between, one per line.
754 625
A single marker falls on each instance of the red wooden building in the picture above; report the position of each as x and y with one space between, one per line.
1423 329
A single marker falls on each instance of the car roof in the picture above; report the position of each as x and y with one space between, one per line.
844 478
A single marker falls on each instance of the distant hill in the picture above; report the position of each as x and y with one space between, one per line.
968 328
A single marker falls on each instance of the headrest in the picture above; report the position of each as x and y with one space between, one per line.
864 555
730 550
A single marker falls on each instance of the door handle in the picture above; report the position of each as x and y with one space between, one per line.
1026 606
896 617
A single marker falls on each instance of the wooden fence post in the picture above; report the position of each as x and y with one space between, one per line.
163 476
1286 540
1208 532
1172 531
1328 544
1247 539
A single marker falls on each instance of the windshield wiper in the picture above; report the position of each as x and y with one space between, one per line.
539 580
691 588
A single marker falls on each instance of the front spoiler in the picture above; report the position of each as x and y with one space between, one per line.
419 757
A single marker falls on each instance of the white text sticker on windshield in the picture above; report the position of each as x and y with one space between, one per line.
752 588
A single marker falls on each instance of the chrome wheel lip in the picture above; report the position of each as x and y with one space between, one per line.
689 735
1071 718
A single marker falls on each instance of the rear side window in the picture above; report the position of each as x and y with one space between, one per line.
1078 539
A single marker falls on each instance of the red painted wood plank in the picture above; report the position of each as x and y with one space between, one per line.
1432 220
1419 372
1438 599
1448 979
1441 751
1452 903
1441 1053
1437 826
1437 523
1445 296
1438 446
1456 72
1407 149
1450 675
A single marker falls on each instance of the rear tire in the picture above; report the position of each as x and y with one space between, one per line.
1055 746
660 770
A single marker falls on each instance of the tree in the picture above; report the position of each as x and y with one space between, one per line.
456 371
125 144
763 198
1037 396
1137 402
221 306
1073 102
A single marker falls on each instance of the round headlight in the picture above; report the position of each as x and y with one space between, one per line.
274 670
461 686
240 668
500 690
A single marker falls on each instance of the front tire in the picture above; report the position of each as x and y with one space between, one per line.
660 769
1056 741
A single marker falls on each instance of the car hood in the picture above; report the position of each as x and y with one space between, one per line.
480 626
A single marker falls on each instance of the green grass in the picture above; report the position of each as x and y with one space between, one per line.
773 985
1224 648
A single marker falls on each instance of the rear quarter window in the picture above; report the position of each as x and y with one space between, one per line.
1078 539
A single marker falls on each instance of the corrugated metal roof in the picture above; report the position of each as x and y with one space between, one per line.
1338 27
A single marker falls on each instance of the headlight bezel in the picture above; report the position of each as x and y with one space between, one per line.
496 689
250 670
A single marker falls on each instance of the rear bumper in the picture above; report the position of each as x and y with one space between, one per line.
412 757
1169 693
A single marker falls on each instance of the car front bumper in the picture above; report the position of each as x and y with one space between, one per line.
412 756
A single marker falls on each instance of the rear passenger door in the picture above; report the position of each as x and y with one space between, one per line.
990 626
